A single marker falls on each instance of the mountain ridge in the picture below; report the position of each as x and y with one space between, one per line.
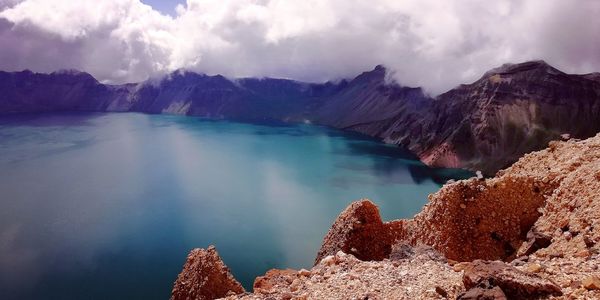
484 125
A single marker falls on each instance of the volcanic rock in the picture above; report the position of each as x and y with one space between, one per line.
359 231
478 219
343 276
483 293
205 277
591 283
515 284
266 284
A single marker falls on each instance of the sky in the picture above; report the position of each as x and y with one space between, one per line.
436 44
166 7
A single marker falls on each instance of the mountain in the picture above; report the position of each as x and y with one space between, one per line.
485 125
249 99
59 91
368 100
510 111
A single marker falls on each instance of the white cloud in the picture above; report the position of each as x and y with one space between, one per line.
431 43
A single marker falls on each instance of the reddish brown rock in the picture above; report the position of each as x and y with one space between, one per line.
359 231
478 219
572 214
591 283
403 250
535 241
514 283
343 276
483 293
466 220
266 284
204 277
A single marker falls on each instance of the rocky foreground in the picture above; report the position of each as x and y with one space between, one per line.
531 232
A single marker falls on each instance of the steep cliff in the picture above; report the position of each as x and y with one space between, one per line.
510 111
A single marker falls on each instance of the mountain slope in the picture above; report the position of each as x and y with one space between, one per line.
59 91
369 99
510 111
241 99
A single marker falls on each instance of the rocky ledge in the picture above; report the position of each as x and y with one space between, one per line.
531 232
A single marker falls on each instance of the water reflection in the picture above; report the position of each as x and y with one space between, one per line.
108 205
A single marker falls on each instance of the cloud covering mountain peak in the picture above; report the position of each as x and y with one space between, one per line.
435 44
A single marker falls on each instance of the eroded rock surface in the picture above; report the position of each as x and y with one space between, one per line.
466 220
358 230
571 217
514 283
205 277
478 219
343 276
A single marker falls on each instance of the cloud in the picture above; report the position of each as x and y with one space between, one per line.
430 43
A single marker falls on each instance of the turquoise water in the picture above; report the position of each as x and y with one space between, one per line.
107 206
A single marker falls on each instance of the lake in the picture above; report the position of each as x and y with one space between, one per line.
107 206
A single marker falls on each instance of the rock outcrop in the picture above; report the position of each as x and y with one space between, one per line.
205 277
358 230
531 232
485 125
466 220
477 219
514 283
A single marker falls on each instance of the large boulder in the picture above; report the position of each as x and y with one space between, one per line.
205 277
266 284
483 293
514 283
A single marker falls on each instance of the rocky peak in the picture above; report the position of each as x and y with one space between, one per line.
529 66
592 76
74 75
188 77
377 75
358 230
379 68
205 277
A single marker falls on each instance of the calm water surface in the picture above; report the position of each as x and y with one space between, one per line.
107 206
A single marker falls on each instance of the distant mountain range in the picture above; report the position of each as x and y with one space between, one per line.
485 125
